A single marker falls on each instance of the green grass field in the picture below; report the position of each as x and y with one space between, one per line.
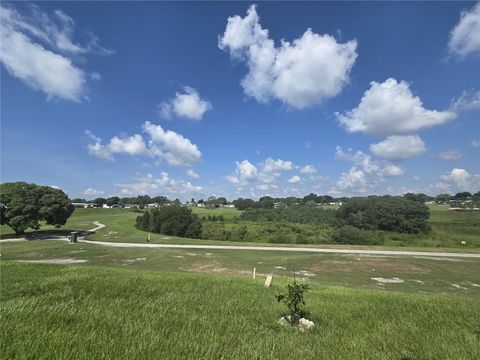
140 303
91 312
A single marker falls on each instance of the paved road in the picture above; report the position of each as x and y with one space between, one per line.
280 248
267 248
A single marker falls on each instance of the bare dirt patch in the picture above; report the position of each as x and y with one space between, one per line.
54 261
369 264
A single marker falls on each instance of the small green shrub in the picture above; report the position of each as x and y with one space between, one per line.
354 236
294 299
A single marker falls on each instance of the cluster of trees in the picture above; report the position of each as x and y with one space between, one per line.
268 202
303 214
24 205
389 213
171 220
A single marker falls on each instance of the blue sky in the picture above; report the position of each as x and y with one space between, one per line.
231 99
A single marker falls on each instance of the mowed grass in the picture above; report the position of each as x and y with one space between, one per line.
458 277
91 312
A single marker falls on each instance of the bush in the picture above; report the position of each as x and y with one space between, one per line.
353 236
294 299
171 220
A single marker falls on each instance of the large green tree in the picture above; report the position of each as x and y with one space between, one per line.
24 205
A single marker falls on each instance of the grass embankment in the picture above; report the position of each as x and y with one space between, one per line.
86 312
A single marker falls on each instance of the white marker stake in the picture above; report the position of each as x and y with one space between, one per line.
268 282
254 273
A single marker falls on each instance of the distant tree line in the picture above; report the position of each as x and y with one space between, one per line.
171 220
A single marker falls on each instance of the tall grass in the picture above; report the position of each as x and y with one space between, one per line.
70 312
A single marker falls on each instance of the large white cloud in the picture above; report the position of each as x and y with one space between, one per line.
390 108
188 105
465 36
352 181
397 147
175 149
38 50
131 145
301 73
270 165
460 177
166 145
366 173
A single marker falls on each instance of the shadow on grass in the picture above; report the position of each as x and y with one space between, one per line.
45 234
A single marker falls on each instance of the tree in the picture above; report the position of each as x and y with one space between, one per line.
114 200
100 201
462 195
442 198
24 205
266 202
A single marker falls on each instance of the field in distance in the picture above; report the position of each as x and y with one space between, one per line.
449 229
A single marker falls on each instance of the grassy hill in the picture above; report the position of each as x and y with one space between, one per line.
91 312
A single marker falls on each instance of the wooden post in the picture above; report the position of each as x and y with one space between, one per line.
269 280
254 273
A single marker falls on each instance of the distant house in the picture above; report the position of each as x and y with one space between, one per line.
130 206
200 205
228 206
81 205
153 205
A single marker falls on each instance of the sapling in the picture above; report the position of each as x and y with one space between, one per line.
294 300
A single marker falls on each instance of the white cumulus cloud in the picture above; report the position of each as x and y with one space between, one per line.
300 73
465 36
397 147
166 145
390 108
39 50
270 165
294 179
192 174
353 181
188 105
173 147
308 169
92 191
460 177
